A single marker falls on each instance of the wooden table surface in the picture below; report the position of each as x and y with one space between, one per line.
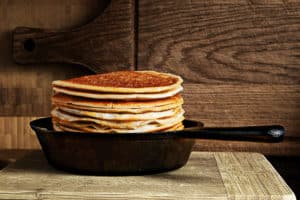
207 175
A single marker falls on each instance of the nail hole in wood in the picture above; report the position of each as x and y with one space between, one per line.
29 45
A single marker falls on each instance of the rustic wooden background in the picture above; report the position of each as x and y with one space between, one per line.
240 61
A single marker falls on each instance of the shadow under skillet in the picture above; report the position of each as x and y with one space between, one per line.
33 161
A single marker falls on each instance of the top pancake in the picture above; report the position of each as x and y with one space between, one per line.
123 82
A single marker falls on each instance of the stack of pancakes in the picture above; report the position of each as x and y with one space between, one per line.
120 102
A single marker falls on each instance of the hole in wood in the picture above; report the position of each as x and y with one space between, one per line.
29 45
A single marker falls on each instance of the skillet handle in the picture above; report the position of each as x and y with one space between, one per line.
273 133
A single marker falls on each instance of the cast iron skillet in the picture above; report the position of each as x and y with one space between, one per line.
135 153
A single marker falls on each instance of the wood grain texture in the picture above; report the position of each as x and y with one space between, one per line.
289 147
221 42
243 105
25 90
28 92
105 44
251 176
204 177
240 61
16 133
286 166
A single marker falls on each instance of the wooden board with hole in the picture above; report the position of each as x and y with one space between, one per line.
25 90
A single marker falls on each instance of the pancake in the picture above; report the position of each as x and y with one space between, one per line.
96 128
66 117
57 127
62 98
117 96
118 102
120 110
123 82
176 127
60 127
80 103
58 112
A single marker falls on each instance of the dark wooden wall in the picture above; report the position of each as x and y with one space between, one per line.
240 61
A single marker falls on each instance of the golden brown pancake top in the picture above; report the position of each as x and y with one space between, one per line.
126 79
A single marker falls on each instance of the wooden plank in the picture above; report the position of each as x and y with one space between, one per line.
25 90
206 176
242 105
199 179
215 42
286 166
19 85
246 105
239 59
15 133
251 176
104 44
289 147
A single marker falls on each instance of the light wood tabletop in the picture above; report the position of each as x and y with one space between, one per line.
207 175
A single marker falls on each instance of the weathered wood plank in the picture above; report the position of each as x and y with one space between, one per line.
206 176
221 42
289 147
245 105
241 105
240 61
25 90
32 177
15 133
251 176
104 44
28 93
